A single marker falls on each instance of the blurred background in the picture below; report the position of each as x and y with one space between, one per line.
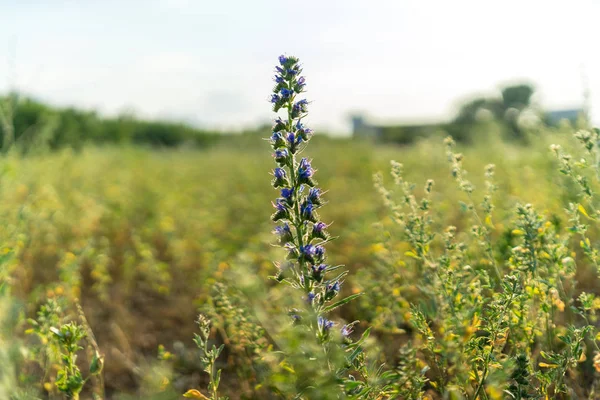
206 63
134 177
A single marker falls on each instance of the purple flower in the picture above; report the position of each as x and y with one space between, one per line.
279 173
281 210
287 193
333 287
295 314
318 268
279 69
292 71
275 98
318 271
300 107
307 252
278 79
281 155
293 141
318 230
347 330
324 324
286 93
310 297
314 195
282 59
276 136
284 232
280 124
279 178
301 82
291 138
319 226
280 205
307 211
305 171
319 252
306 133
277 140
302 131
305 168
331 290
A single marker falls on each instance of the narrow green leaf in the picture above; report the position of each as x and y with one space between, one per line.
341 302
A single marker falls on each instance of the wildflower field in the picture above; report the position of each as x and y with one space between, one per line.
431 271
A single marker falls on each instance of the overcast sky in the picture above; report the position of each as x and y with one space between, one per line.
211 62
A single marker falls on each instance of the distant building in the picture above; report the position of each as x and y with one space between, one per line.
408 132
402 133
363 130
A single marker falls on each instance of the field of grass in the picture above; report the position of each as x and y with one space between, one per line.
144 240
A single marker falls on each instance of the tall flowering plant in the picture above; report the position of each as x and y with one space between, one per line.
299 228
304 235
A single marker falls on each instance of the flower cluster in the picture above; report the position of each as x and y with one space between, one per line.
299 228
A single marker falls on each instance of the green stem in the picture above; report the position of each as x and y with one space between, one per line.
488 239
296 189
488 357
213 372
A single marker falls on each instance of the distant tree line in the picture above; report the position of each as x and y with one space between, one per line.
29 123
505 111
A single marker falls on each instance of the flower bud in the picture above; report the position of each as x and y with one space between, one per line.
279 178
307 252
293 141
288 195
281 156
314 196
280 125
305 173
286 93
277 140
300 83
324 325
347 330
319 253
307 212
331 290
296 315
293 253
317 272
299 108
284 232
277 100
281 210
318 231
